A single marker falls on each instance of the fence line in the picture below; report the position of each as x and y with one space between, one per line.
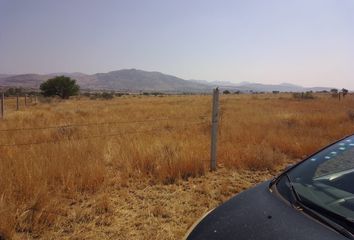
94 136
96 124
214 130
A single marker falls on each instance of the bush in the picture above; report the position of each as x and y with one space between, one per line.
156 93
302 95
106 95
120 94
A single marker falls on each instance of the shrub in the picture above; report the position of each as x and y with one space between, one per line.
106 95
119 94
303 95
156 93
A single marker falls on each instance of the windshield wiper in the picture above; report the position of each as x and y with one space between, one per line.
298 204
295 195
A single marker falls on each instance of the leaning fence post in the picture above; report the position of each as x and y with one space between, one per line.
214 129
2 105
17 103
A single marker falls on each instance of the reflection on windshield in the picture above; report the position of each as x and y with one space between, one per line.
327 178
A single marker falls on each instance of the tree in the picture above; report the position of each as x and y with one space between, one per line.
344 92
226 92
334 91
61 86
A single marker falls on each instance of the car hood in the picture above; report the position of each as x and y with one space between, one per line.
260 214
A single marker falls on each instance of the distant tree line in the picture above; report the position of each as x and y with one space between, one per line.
229 92
103 95
13 91
338 93
64 87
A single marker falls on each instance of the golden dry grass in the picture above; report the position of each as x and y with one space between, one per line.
85 174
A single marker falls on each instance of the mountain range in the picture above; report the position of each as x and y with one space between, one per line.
139 80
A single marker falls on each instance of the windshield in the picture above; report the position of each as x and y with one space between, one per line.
327 179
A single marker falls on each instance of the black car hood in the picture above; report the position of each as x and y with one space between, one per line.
259 214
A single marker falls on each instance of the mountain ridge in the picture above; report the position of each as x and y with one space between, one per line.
140 80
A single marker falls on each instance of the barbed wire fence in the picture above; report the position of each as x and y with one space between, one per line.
121 133
27 100
187 122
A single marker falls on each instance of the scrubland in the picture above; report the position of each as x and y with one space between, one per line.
136 167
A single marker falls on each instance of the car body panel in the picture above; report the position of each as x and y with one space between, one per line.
259 214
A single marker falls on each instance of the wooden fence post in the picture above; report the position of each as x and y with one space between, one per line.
2 105
17 103
214 129
25 99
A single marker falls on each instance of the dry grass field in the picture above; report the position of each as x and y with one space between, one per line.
136 167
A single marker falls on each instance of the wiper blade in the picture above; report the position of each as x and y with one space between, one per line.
296 198
298 204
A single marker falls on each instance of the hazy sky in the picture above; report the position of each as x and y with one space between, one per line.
306 42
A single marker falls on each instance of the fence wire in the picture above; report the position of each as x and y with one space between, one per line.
96 124
97 136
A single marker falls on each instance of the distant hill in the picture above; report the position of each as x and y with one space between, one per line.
23 80
134 79
139 80
5 75
259 87
126 79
